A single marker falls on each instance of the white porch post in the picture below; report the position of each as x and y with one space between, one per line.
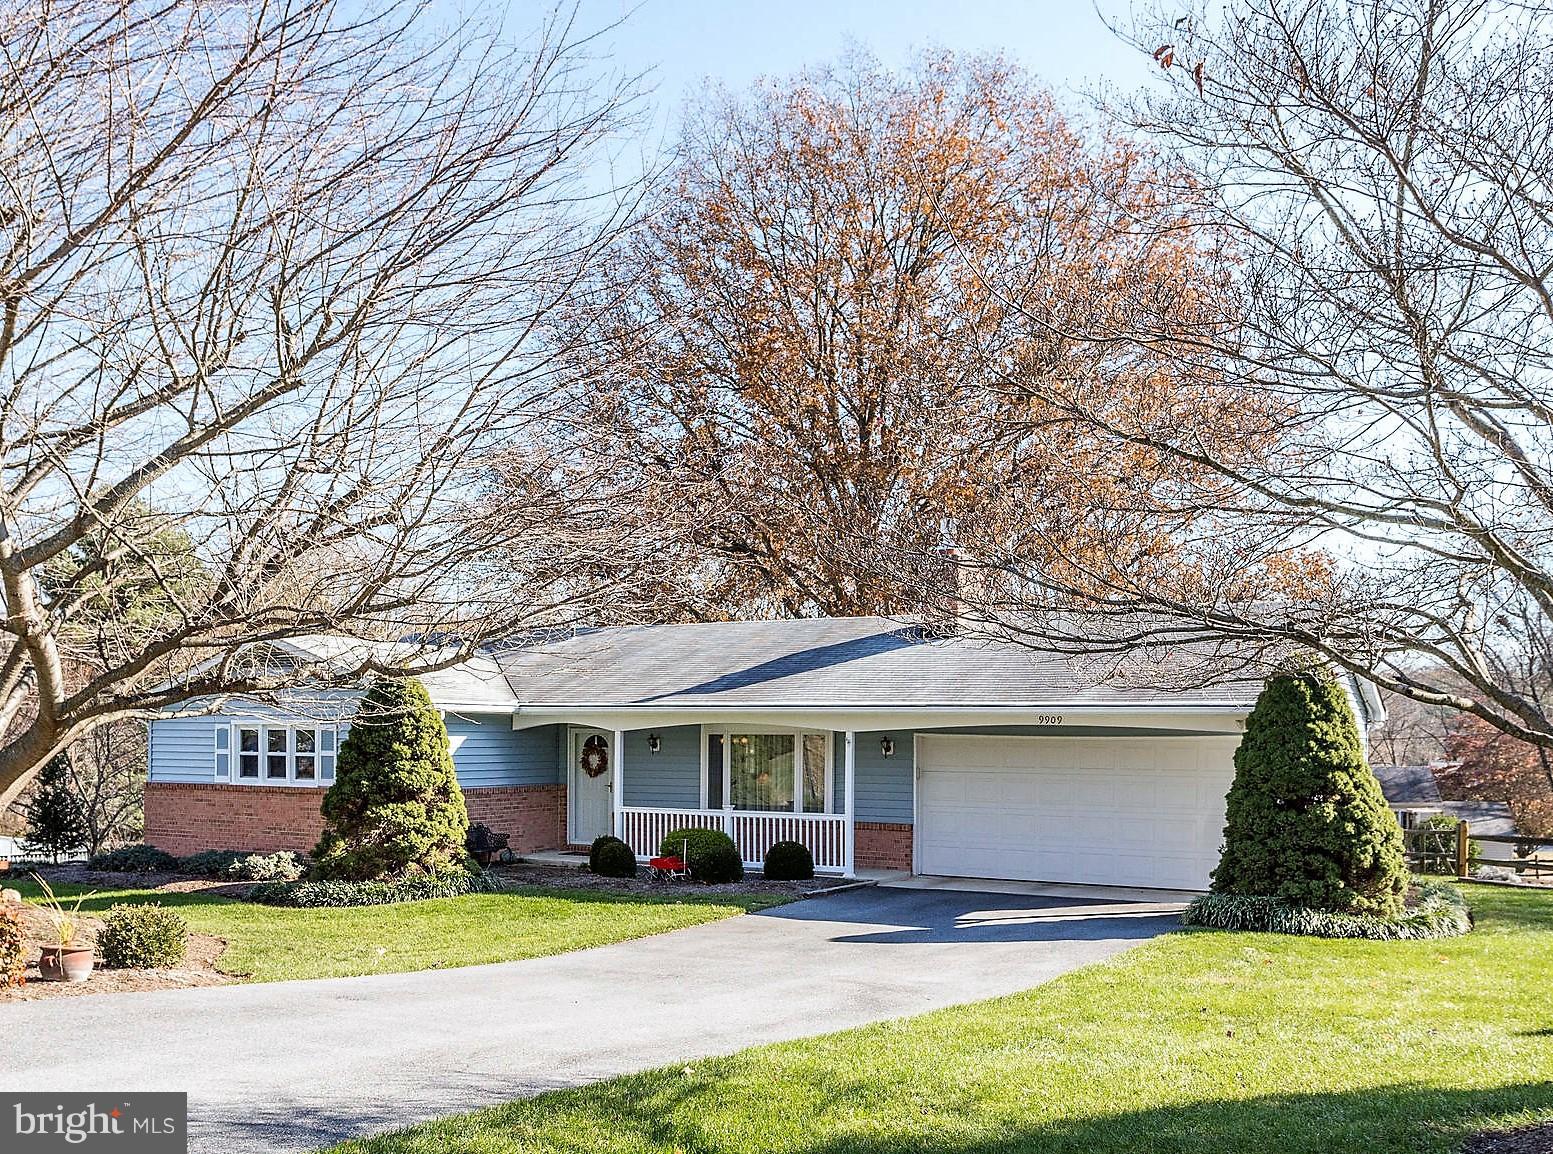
849 791
617 785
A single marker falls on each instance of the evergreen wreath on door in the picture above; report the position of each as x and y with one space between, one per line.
595 756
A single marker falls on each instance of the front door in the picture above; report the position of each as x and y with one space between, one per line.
588 812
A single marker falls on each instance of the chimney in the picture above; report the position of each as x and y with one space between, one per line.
942 611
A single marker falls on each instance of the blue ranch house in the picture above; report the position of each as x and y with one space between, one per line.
876 743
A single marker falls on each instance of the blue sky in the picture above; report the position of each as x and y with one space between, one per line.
1065 43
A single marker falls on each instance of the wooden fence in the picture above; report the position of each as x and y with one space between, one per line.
1458 851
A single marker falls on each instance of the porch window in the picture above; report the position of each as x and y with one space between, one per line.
760 770
715 765
816 772
781 770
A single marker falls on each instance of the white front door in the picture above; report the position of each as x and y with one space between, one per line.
588 812
1109 811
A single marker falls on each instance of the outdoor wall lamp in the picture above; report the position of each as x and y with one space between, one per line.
654 743
887 746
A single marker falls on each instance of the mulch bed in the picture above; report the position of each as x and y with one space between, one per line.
563 877
1526 1140
79 875
198 969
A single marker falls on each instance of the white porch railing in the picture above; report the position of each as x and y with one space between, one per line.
753 831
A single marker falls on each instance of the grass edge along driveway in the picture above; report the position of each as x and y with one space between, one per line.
266 943
1198 1041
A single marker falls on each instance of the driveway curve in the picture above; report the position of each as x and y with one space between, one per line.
295 1065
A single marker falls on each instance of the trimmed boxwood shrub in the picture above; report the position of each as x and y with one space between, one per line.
788 861
135 859
395 808
1439 911
142 937
1306 822
609 857
13 951
710 854
340 893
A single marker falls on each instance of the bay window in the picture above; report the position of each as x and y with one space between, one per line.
772 770
265 753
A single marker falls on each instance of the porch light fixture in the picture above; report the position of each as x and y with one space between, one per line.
887 746
654 743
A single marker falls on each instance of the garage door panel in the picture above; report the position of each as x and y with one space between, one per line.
1111 811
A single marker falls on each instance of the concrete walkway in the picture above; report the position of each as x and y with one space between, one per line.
294 1065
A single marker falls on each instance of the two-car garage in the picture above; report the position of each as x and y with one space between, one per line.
1122 811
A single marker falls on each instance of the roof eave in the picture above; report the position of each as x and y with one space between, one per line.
937 707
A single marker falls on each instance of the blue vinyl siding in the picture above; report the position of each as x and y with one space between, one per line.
183 748
671 778
884 784
668 779
487 751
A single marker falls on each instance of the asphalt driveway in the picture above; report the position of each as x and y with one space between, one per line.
294 1065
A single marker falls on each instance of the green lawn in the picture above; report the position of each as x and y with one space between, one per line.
1196 1042
269 944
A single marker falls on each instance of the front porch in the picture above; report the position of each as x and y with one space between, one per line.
828 836
758 783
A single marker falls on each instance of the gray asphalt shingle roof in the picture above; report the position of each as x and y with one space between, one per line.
1407 784
852 661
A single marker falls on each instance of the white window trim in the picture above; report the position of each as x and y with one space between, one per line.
265 727
727 732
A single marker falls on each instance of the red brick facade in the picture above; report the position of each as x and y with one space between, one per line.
185 818
882 845
532 816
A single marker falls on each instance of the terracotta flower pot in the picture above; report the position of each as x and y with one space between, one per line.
66 963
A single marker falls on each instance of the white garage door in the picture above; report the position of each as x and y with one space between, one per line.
1100 810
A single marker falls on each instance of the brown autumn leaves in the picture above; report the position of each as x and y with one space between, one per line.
810 368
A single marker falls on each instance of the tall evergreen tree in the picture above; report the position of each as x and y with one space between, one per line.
1306 818
395 807
56 824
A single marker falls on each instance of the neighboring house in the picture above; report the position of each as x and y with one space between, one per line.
1413 793
875 744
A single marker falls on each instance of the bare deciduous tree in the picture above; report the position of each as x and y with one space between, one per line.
1382 171
1412 733
108 777
271 276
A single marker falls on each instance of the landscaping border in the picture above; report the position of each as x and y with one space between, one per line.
1441 912
340 894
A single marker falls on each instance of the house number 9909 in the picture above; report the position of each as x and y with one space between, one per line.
1048 719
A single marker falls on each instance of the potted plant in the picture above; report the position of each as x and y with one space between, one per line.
66 962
